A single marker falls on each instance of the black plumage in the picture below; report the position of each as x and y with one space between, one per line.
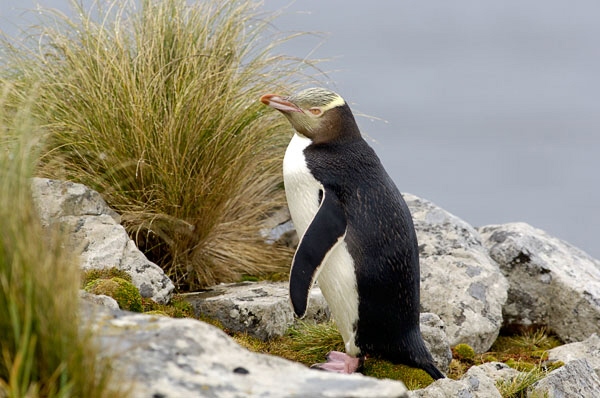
362 205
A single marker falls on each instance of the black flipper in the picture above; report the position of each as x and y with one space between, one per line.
325 232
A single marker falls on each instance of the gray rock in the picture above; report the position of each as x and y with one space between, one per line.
166 357
499 371
433 330
56 199
279 228
94 233
99 299
551 282
459 281
575 379
262 309
589 349
474 384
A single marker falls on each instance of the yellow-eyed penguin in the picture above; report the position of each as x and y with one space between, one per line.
357 235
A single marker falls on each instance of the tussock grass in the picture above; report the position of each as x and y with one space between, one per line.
157 108
43 351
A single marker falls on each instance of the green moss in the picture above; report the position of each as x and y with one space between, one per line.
541 354
251 343
177 308
463 352
521 365
413 378
124 292
309 343
555 365
105 273
211 321
106 281
157 312
489 358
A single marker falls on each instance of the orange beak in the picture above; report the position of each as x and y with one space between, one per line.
279 103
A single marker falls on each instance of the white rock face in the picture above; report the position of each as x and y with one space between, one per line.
589 349
499 371
99 299
474 384
262 309
167 357
459 280
433 330
551 282
575 379
96 236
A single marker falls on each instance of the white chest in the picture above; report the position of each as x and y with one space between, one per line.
301 188
336 279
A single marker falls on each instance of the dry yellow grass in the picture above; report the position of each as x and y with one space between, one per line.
157 108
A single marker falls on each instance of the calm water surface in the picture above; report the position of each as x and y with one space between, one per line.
489 109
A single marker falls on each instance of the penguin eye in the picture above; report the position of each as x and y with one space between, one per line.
315 111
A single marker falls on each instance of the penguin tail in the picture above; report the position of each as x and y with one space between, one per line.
432 370
420 356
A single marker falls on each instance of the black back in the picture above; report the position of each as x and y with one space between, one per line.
382 241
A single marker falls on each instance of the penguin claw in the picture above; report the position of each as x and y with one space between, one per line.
339 362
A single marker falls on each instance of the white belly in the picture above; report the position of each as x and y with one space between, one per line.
337 279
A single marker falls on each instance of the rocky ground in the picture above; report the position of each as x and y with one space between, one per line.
473 282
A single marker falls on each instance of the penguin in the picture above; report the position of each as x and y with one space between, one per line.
356 235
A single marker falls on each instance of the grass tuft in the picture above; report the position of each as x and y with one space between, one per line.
43 350
157 108
309 343
520 385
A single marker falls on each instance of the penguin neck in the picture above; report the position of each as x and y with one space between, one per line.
343 128
339 128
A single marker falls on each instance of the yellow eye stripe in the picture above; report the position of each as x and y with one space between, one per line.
337 101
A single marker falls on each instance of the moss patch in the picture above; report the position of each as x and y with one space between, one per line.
308 344
111 282
463 352
105 273
413 378
124 292
177 308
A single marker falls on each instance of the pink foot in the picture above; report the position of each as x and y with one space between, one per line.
340 363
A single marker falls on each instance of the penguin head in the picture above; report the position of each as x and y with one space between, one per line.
316 113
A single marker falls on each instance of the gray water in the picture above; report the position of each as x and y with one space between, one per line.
489 109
